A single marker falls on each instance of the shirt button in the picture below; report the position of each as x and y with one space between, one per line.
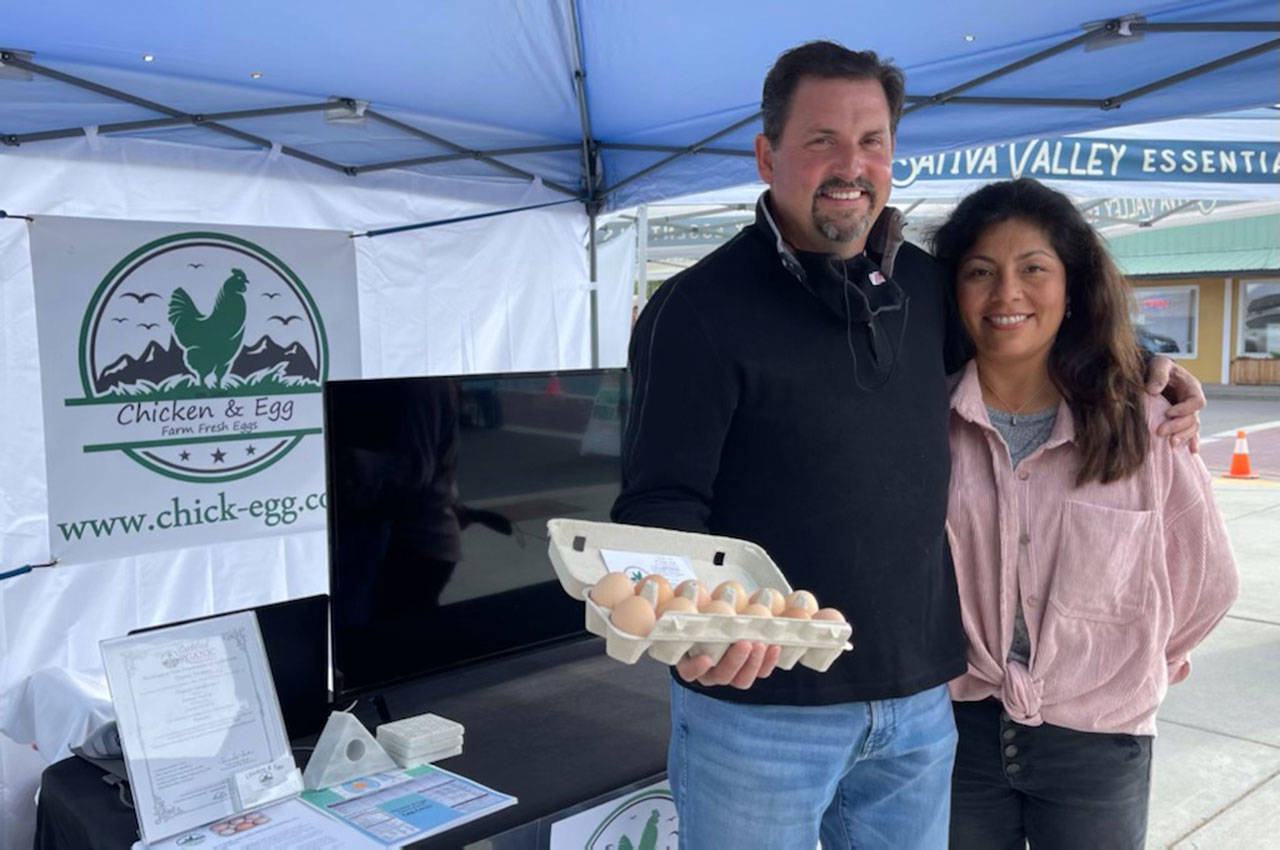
1011 769
1008 734
1024 539
1011 751
1023 475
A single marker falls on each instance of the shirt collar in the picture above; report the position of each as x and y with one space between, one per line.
883 241
966 401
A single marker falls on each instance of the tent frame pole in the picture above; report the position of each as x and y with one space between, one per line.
1231 59
1113 28
590 156
685 151
456 148
156 123
453 157
9 58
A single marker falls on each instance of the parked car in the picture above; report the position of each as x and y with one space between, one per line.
1157 343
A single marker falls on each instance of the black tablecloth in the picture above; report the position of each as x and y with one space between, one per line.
553 728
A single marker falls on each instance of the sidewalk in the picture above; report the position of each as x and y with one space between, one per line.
1264 391
1216 779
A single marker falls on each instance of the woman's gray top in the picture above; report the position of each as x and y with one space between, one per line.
1023 433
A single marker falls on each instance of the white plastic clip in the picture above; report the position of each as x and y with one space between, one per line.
91 136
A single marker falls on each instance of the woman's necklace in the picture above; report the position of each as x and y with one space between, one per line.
1013 411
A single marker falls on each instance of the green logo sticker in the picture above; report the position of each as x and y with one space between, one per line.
202 356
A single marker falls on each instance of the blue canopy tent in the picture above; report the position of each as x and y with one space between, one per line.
608 103
612 103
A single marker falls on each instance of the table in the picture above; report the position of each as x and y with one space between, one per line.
556 728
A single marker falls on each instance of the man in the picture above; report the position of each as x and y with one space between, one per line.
790 389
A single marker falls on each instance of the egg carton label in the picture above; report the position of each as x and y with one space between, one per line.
637 565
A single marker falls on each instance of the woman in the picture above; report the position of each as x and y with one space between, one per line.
1089 554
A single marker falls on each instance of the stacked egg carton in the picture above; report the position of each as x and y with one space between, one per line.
422 739
575 547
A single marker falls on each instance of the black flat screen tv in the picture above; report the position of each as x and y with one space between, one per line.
439 490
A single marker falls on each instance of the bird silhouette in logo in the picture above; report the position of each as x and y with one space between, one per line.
285 320
140 297
209 343
196 265
120 320
271 295
149 325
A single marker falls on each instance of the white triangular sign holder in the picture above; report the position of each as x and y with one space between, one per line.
345 751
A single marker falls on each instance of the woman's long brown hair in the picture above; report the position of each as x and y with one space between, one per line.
1094 361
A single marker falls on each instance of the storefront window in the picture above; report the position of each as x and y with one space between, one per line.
1260 318
1165 319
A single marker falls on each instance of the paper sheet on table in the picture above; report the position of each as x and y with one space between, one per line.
405 805
199 723
289 824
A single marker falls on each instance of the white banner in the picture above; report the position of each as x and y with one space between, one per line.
181 369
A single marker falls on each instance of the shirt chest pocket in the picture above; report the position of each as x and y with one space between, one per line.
1103 561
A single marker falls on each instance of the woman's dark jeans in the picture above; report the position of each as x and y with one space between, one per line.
1047 785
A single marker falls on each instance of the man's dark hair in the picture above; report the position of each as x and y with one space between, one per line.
825 60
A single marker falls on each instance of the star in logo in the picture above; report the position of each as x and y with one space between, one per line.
219 456
185 455
250 450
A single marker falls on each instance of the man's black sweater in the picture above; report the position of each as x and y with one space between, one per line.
762 411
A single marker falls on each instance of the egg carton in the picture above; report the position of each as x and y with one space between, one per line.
575 547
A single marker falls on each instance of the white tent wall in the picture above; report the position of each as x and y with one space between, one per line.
505 293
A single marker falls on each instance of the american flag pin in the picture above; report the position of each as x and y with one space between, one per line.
876 278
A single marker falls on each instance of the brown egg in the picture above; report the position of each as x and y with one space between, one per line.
755 609
633 615
718 606
678 604
829 614
802 599
611 590
692 589
797 613
770 598
733 593
655 588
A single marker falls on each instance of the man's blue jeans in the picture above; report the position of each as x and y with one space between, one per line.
776 777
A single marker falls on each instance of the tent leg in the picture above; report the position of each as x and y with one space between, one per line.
642 258
594 297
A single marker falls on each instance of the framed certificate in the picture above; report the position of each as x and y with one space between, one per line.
199 723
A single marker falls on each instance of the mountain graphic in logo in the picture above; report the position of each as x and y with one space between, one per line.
164 338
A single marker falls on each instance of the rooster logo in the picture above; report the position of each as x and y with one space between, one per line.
209 380
209 343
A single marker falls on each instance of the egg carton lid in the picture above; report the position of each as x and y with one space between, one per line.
574 547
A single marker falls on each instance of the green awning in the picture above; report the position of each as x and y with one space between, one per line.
1240 244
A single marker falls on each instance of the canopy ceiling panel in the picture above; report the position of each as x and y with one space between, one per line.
491 87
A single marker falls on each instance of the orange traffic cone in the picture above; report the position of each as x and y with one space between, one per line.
1240 459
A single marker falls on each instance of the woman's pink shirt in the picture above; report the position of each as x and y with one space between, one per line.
1118 581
